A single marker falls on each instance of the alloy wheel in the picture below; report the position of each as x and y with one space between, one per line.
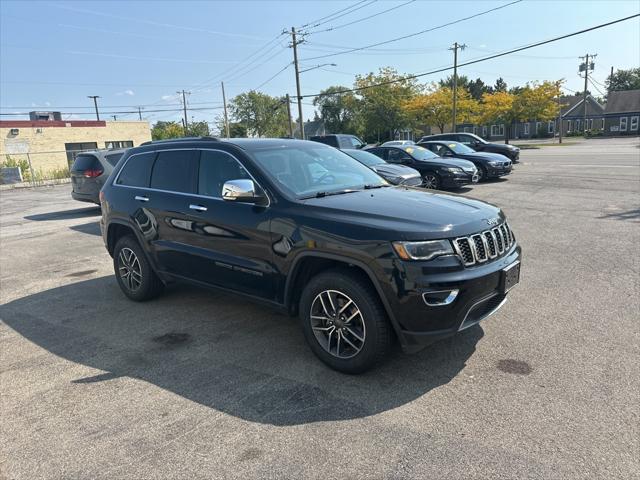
337 324
129 269
430 181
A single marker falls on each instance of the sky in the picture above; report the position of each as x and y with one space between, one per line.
140 53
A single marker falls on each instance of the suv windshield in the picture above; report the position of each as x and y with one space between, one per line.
420 153
476 137
366 158
311 170
460 148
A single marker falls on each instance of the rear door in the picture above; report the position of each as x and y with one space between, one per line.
84 172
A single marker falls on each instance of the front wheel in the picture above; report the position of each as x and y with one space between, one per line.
344 322
482 173
431 181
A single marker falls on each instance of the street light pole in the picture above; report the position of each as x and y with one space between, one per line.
455 82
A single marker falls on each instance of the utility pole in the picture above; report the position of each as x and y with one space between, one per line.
115 118
140 113
455 81
226 118
95 104
586 67
184 107
288 100
294 45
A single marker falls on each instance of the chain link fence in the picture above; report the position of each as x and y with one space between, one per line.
37 168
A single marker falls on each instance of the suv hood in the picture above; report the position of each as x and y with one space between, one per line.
395 170
400 213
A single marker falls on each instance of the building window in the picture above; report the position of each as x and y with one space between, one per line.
578 122
497 130
526 128
569 126
634 124
623 124
118 144
538 125
602 124
591 124
484 131
73 149
551 127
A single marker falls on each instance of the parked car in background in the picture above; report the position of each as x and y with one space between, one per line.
339 140
436 172
490 165
395 174
398 143
312 232
89 172
479 144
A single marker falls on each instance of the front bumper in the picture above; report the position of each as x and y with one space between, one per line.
479 296
457 180
499 171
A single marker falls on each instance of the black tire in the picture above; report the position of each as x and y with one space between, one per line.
147 284
431 181
378 335
482 173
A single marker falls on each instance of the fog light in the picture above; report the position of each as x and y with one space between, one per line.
440 298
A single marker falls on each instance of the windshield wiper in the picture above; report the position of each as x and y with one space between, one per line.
326 194
369 186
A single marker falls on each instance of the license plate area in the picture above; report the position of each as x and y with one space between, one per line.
510 277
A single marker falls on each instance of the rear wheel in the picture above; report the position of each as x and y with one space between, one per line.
136 278
431 181
344 322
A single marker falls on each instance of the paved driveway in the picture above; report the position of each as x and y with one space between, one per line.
202 385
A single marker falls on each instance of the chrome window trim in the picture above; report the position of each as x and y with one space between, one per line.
115 180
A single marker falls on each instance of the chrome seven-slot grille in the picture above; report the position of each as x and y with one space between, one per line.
484 246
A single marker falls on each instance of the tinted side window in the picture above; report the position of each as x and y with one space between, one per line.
216 168
137 170
85 162
355 142
377 152
113 158
397 156
175 171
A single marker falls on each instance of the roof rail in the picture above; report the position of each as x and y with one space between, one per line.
182 139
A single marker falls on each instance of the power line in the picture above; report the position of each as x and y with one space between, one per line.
416 33
121 112
331 15
483 59
55 108
274 76
596 87
361 19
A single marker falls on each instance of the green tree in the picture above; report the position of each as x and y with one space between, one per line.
261 115
623 80
477 88
337 110
380 108
198 129
463 82
500 85
163 130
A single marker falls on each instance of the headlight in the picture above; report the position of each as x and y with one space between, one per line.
422 250
494 163
453 169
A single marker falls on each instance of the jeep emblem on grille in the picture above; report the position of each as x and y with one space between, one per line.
492 221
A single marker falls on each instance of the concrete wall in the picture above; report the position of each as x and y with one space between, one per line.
45 141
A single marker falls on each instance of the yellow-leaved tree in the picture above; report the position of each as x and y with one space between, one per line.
435 108
536 101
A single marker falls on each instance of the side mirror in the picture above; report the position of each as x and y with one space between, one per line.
242 190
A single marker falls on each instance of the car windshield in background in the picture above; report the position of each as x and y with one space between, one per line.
366 158
307 171
420 153
477 138
460 148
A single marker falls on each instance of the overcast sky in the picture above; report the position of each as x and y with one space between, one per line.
54 54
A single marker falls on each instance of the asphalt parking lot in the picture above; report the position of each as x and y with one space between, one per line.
198 384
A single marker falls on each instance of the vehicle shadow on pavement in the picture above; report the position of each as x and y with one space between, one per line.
91 228
633 215
220 351
65 214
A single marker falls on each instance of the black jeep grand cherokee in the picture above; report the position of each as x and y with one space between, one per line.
306 228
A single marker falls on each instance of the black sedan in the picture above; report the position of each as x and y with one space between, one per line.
436 172
477 143
490 165
395 174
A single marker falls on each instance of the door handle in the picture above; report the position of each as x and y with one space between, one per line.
199 208
141 198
